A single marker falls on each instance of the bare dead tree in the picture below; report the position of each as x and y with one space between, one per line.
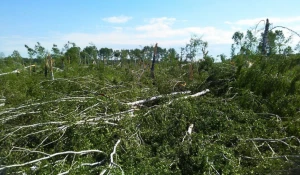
265 37
153 61
49 66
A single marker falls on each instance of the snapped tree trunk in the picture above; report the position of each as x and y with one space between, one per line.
153 62
46 67
265 38
49 66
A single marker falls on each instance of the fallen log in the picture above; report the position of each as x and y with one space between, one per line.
140 102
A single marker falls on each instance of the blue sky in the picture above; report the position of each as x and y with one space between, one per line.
126 24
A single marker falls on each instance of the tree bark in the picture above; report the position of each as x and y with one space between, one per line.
265 38
153 62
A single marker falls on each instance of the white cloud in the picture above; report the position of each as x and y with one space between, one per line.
274 20
118 28
156 30
117 19
157 24
246 22
167 32
161 28
163 31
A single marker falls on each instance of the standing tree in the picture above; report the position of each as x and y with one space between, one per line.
244 44
265 37
56 54
132 56
31 53
137 55
192 49
250 43
153 61
277 42
124 56
90 52
172 54
238 44
105 54
161 53
55 51
117 55
16 56
73 54
49 66
40 51
147 52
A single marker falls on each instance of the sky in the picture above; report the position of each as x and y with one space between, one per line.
129 24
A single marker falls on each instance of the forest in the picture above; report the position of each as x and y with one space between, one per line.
153 110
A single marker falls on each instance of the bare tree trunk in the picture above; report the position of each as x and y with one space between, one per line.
46 68
49 66
265 38
153 61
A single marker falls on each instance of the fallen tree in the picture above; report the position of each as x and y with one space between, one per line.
17 71
55 130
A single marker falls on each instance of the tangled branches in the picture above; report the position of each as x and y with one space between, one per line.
66 134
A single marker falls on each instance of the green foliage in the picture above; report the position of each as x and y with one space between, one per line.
248 122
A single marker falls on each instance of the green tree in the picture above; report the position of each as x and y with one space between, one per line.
124 54
237 38
105 53
132 56
288 50
161 53
73 54
40 51
147 52
55 51
277 43
250 43
194 47
172 55
222 57
90 53
16 55
137 54
117 55
31 52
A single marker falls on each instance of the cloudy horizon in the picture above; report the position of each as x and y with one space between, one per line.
128 29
